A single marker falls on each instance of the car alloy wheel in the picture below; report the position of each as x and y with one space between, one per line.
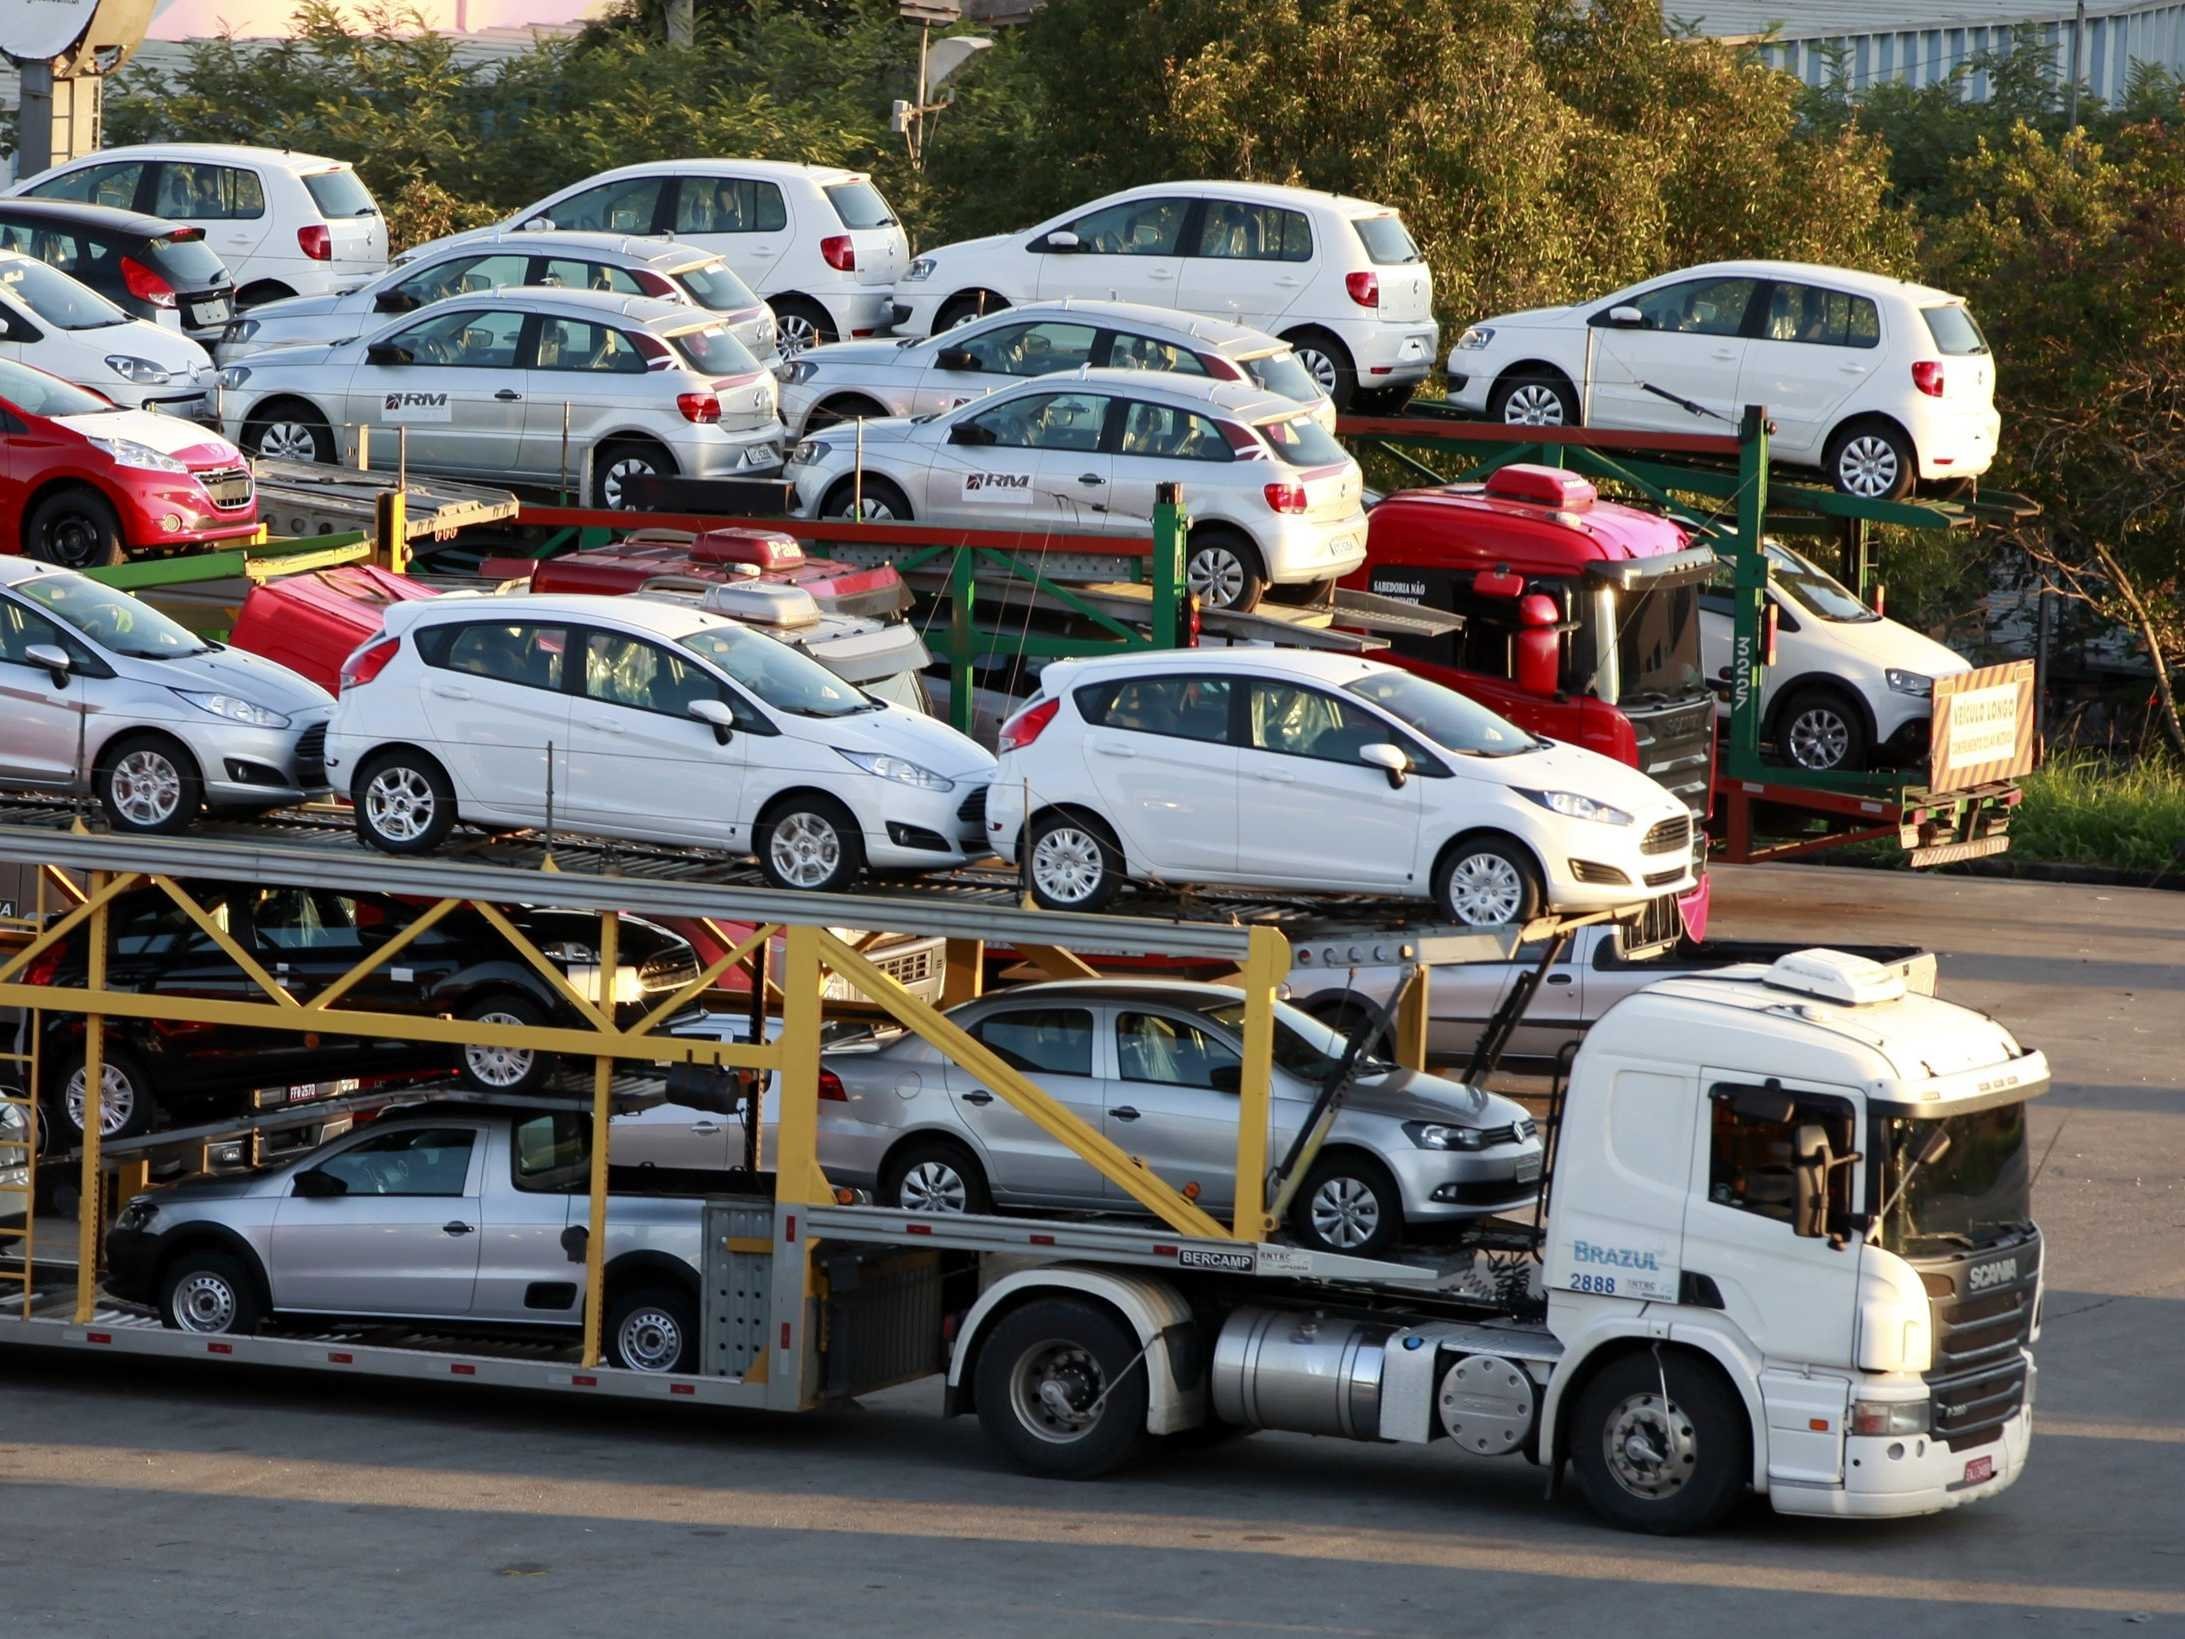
399 803
117 1100
933 1186
1867 466
1056 1390
805 849
1535 404
798 335
1068 863
650 1340
1485 891
1650 1452
611 488
869 509
1819 738
289 441
498 1066
1216 576
1321 367
147 788
205 1303
1345 1212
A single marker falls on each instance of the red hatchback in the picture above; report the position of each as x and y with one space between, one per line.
84 483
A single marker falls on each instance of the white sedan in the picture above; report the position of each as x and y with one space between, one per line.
1273 499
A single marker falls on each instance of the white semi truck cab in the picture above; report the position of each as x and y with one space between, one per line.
1788 1246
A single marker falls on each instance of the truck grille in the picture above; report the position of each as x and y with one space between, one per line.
1677 748
1671 836
311 756
1979 1376
229 488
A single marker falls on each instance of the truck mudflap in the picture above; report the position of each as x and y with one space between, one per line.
1897 1477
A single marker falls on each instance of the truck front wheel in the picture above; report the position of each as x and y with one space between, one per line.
1667 1469
1062 1390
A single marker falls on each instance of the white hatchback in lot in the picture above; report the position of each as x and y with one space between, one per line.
1879 383
69 330
522 385
1292 769
663 724
919 376
1337 278
1273 498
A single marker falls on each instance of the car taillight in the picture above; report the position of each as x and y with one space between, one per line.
1286 497
1022 729
839 251
367 663
317 243
831 1090
702 408
145 285
1927 377
41 971
1364 288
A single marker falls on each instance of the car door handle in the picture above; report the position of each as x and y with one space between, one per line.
1289 284
508 395
706 1129
1090 478
1161 273
449 691
1725 352
1123 1112
1558 978
1851 369
1107 750
978 1095
1279 776
605 727
456 1227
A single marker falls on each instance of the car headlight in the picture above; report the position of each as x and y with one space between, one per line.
234 375
239 330
127 452
1889 1416
1476 337
1911 683
235 709
141 371
799 372
899 769
808 453
1440 1135
918 271
138 1214
1577 805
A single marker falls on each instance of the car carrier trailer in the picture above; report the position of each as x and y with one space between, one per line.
1756 1269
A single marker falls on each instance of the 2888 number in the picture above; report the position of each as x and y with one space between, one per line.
1605 1284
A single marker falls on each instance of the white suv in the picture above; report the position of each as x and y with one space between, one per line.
286 224
1877 382
817 242
1293 769
1337 278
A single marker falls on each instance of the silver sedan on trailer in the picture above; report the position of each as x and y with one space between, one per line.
1156 1065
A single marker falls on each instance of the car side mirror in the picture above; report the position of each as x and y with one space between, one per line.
1225 1078
53 657
1390 760
956 358
387 352
1062 241
320 1186
575 1241
717 713
1626 318
539 224
969 432
393 301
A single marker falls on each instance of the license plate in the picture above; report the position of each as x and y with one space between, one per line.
1528 1169
1342 546
1980 1468
212 313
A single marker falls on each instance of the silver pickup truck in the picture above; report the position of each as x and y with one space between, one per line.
453 1214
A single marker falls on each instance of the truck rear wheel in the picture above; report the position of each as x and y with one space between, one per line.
1061 1390
1666 1470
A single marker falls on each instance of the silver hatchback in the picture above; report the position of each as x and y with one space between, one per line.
98 686
1155 1065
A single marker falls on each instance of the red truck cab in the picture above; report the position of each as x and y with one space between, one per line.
1581 618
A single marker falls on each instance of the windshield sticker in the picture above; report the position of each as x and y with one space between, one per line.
999 488
415 407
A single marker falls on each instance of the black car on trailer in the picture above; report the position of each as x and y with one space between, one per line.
145 265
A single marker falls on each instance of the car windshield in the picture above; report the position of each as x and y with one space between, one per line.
1386 239
714 286
1303 442
37 393
1813 589
779 675
1303 1045
1657 645
859 205
340 193
1443 716
715 351
1283 373
1975 1193
115 621
56 298
1954 329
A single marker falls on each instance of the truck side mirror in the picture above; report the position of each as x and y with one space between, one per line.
1536 655
1810 1161
1390 760
1498 583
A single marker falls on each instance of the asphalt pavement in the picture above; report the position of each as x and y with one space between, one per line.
222 1503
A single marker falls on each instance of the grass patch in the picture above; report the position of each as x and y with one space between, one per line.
2085 810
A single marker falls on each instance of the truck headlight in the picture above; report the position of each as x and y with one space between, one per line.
1440 1135
235 709
919 271
1889 1416
1577 805
899 769
1910 682
1475 337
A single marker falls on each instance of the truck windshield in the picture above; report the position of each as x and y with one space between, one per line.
1979 1190
1657 645
1445 717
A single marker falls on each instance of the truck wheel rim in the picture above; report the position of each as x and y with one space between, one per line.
933 1186
1346 1213
1819 738
288 441
147 787
117 1100
1650 1454
1868 466
1534 405
1056 1391
205 1303
1322 368
1485 891
650 1340
399 803
498 1066
1067 865
805 850
1216 575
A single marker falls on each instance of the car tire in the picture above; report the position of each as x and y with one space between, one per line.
1644 1471
289 430
1042 1368
148 785
935 1175
125 1087
1224 570
404 803
1873 460
1384 400
622 461
75 528
1487 881
1821 730
211 1294
809 842
1307 594
963 309
1329 363
519 1070
265 290
1071 862
652 1329
877 501
802 324
1349 1204
1534 398
842 407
